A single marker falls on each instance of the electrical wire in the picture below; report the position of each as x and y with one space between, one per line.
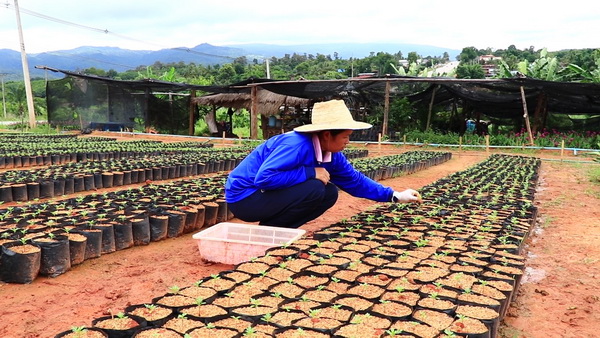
108 32
92 59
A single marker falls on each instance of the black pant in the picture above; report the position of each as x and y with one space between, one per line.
290 207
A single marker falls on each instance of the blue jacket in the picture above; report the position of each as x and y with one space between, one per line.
289 159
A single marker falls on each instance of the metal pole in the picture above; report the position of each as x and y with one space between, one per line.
26 77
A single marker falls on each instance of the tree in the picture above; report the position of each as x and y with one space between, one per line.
468 54
226 75
383 63
577 73
17 95
470 71
543 68
413 57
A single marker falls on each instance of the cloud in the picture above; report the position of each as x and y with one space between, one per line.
153 24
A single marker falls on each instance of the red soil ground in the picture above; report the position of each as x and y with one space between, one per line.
558 296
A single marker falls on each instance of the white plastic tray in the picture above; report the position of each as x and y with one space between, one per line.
234 243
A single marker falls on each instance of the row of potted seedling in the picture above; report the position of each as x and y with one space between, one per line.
54 236
80 176
109 222
448 267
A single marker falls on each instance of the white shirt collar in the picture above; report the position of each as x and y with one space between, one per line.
320 157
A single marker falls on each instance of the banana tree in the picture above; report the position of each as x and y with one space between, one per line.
543 68
585 75
18 96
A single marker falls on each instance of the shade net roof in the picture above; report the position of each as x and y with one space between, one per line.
495 97
499 99
80 101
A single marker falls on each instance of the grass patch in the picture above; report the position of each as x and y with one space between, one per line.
558 201
546 221
506 331
593 174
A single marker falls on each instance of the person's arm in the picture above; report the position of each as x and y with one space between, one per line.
354 182
285 166
359 185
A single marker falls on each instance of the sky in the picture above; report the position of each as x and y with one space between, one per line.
152 25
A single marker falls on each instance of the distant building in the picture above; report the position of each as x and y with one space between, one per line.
406 63
490 70
366 75
489 64
488 58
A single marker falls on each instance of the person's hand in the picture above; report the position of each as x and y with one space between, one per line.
406 196
322 175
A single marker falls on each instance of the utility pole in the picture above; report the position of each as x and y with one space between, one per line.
268 69
26 77
3 93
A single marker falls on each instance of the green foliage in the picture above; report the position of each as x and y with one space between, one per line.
594 172
574 72
569 65
550 139
470 71
543 68
468 55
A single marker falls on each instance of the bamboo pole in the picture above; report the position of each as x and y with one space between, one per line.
526 116
562 149
487 143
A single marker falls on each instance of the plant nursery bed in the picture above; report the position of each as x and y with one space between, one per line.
556 298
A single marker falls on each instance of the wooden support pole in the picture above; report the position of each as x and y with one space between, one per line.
386 109
526 116
537 118
562 149
487 143
254 114
460 143
146 107
431 107
192 112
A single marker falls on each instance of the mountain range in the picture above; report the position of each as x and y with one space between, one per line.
119 59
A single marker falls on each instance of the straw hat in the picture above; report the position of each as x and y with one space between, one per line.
331 115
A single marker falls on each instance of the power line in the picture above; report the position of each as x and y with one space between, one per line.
92 59
108 32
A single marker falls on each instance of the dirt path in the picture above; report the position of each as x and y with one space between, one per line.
557 299
558 296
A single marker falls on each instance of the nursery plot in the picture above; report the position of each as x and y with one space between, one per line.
73 230
479 229
108 284
118 169
76 229
70 165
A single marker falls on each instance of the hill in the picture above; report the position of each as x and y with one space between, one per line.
205 54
